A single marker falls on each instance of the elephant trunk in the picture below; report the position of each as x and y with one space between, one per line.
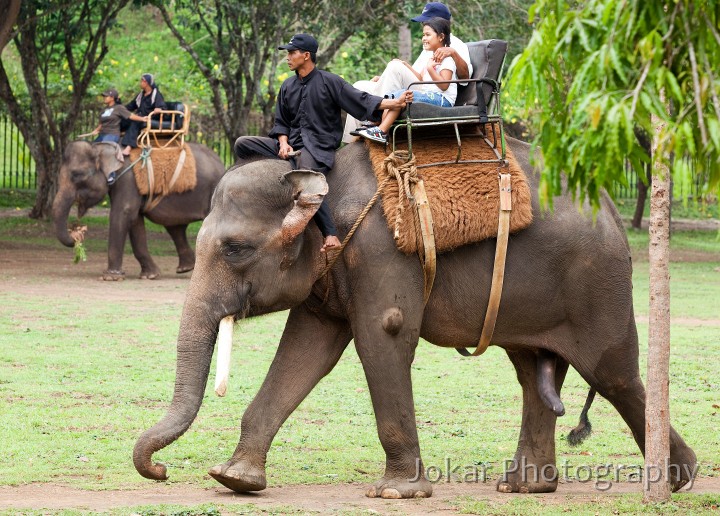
194 354
60 213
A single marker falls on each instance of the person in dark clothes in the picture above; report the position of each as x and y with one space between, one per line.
308 119
108 130
147 102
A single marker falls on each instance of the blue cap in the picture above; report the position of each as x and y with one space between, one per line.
433 10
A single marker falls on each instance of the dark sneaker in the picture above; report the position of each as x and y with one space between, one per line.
111 178
374 133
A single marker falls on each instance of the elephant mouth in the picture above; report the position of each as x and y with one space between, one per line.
244 289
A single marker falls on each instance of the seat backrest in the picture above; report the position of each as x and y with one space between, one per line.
487 58
179 119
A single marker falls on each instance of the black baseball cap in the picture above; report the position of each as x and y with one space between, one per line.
301 42
110 92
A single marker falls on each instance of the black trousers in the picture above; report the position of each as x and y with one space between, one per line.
132 128
249 146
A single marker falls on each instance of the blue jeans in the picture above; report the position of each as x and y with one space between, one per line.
104 137
428 97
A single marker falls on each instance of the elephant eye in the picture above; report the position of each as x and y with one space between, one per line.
236 251
77 175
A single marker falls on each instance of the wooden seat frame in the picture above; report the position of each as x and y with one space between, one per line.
161 137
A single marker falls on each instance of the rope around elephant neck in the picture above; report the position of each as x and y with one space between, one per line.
144 155
399 165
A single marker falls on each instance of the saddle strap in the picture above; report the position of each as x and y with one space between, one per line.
498 267
428 258
154 201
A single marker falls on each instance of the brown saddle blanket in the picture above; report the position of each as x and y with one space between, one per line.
464 198
164 164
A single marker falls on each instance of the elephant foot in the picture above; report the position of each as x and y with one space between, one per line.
184 268
541 477
239 476
151 275
112 275
683 468
396 488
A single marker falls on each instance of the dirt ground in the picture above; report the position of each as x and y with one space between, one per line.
54 276
324 499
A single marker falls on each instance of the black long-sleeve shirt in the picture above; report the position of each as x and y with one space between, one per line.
143 104
308 112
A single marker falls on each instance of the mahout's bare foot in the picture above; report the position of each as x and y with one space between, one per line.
331 241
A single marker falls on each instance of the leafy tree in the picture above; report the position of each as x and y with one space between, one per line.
54 36
234 44
594 74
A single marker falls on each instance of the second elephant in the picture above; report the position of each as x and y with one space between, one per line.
83 180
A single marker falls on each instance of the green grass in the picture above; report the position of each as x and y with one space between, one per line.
17 199
601 504
680 210
41 234
79 381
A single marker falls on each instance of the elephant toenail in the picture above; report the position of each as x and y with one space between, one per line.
392 494
504 488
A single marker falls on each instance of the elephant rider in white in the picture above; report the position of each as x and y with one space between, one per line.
397 74
308 118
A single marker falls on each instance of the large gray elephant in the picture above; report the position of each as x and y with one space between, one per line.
83 180
567 295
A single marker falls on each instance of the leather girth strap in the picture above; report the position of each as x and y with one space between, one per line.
152 201
428 257
498 269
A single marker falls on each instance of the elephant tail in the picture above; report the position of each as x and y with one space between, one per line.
584 428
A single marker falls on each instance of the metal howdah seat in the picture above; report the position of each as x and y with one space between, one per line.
168 127
477 104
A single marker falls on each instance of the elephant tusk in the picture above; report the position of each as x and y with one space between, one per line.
224 345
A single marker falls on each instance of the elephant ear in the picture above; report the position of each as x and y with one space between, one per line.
308 190
106 158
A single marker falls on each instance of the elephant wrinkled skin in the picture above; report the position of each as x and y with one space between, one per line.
83 180
567 294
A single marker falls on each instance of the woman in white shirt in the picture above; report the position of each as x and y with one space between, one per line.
436 34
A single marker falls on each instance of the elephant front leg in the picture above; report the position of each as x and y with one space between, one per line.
309 349
120 221
386 357
533 468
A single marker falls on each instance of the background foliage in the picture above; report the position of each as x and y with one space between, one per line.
595 72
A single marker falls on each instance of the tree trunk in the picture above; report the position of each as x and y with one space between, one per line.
11 8
642 187
657 410
47 167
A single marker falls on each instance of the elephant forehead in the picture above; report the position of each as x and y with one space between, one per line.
256 188
77 153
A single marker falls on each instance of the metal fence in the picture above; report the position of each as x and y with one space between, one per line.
17 168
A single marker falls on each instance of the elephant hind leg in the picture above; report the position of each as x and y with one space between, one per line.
138 241
186 255
533 468
628 398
